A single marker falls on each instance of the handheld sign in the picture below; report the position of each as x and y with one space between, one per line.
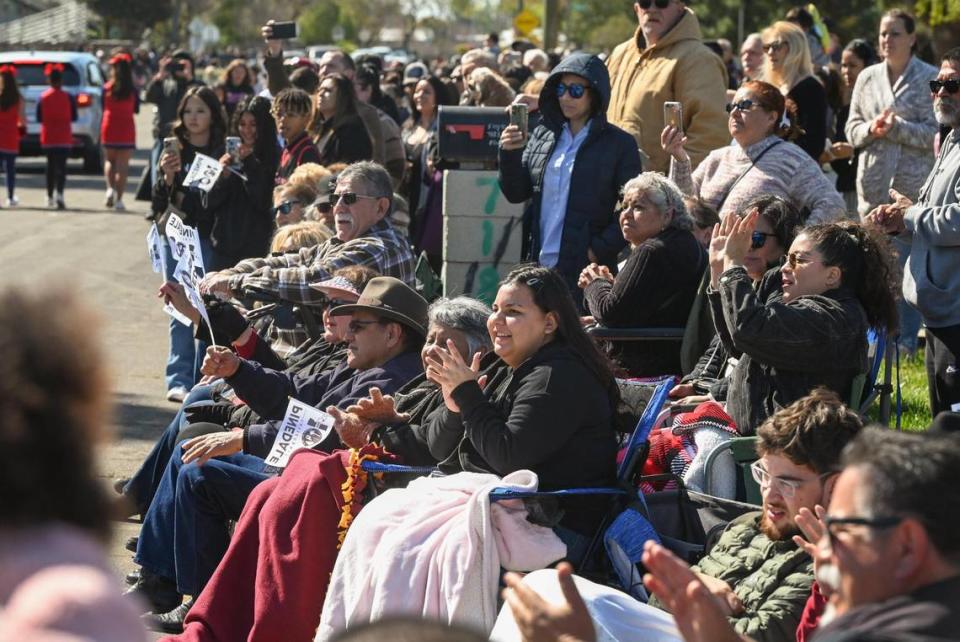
303 426
155 250
180 236
203 174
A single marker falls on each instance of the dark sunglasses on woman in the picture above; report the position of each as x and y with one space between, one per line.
758 240
952 86
285 207
660 4
744 105
577 90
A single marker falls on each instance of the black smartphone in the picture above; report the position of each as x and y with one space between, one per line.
172 67
284 30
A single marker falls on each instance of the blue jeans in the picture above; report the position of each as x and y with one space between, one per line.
143 485
155 162
9 163
184 534
186 353
909 316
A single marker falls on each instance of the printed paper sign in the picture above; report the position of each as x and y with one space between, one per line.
303 426
203 174
181 237
155 249
189 273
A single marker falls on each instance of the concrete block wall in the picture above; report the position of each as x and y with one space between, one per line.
481 233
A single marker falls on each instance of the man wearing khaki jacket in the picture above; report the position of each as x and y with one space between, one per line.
666 60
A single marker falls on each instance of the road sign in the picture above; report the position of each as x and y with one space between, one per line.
525 22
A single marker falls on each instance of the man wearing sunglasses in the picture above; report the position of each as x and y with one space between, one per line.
931 279
666 60
362 202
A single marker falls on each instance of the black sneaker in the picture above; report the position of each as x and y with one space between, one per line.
132 577
156 592
131 544
169 622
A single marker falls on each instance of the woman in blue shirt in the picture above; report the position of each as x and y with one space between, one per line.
572 170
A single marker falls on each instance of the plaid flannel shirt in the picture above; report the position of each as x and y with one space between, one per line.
288 277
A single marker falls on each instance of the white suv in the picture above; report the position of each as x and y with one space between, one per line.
82 79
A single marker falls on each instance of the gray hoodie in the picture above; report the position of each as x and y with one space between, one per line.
932 281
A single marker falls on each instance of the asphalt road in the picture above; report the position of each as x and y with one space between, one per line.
102 254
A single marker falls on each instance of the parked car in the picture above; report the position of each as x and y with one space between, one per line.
82 79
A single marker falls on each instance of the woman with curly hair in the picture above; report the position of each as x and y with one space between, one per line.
54 527
838 281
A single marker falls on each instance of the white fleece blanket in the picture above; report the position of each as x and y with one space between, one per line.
434 549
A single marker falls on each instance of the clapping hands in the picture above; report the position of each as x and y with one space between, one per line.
730 243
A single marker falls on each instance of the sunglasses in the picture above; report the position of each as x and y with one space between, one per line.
323 208
660 4
577 90
744 105
357 326
335 303
795 258
952 86
285 207
350 197
774 46
758 240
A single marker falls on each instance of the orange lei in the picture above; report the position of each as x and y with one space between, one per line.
354 486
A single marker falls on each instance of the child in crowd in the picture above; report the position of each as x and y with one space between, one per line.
56 110
12 126
293 109
118 132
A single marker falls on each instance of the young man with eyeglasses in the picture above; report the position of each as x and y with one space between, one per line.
759 579
667 61
362 202
208 479
931 227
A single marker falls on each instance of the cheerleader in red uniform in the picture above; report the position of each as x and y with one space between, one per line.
12 125
56 110
117 131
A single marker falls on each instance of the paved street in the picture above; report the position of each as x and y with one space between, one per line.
102 254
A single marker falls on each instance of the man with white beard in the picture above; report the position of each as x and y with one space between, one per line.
931 282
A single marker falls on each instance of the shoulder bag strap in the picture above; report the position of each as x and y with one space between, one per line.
744 173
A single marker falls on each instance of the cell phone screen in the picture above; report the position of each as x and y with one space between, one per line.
284 30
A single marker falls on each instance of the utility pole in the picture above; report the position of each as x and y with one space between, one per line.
551 23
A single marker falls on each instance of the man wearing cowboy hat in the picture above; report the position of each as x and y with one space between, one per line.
199 494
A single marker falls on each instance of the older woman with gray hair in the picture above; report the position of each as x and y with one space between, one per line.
657 284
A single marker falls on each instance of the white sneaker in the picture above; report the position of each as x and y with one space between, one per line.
177 394
51 202
61 204
13 201
119 206
109 198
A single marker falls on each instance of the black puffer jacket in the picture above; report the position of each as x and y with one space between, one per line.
607 159
785 350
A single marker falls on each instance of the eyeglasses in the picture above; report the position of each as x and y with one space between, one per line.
796 258
285 207
771 47
952 86
758 240
577 90
646 4
350 197
836 525
323 208
744 105
788 487
357 326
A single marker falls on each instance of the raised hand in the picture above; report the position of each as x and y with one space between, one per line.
447 369
541 621
354 432
739 238
672 141
379 408
220 362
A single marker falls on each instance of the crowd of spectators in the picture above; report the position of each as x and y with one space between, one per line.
725 222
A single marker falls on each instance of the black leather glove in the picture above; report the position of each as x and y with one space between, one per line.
228 324
214 413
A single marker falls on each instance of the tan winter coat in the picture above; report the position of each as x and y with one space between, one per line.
679 68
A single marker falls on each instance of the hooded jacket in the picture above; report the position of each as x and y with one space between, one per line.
678 68
606 160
